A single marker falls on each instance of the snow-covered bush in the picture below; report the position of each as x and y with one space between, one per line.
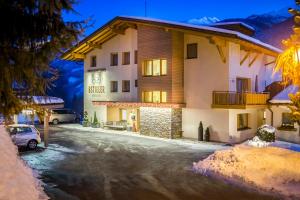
266 133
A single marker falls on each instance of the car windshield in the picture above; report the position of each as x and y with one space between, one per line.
19 130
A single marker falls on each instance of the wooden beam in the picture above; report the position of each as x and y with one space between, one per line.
244 58
94 45
253 60
220 44
78 56
118 30
269 63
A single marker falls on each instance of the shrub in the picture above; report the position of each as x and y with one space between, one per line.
266 133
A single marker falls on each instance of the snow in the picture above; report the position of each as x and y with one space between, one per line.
209 28
271 168
47 100
203 20
17 180
283 96
256 142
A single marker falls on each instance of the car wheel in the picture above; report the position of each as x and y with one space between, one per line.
32 144
55 121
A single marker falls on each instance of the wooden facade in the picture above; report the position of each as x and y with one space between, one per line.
159 43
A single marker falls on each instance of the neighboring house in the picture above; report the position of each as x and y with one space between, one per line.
165 77
279 115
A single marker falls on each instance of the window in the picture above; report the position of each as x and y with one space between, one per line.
287 120
243 85
93 61
156 67
154 96
242 121
135 57
113 59
126 58
114 86
192 51
126 86
136 83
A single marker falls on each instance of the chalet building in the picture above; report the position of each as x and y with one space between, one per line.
163 78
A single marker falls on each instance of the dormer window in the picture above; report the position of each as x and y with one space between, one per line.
93 61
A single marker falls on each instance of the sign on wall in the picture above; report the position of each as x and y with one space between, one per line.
95 83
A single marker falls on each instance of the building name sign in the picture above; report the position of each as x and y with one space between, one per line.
95 89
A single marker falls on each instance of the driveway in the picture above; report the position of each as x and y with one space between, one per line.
92 165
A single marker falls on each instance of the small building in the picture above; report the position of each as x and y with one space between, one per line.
46 102
279 115
165 77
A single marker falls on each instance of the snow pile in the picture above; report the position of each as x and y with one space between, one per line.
271 168
256 142
17 181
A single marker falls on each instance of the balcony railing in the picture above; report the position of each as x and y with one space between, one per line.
223 99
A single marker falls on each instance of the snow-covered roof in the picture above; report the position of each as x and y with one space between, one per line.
208 28
79 50
283 96
45 100
232 23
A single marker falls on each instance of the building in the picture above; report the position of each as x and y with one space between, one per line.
164 77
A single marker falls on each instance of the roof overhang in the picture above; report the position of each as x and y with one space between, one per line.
118 25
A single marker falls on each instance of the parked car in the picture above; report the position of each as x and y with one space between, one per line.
64 115
24 135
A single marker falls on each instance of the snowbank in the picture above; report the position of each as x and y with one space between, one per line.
270 168
17 181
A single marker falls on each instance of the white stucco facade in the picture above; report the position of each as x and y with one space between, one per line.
107 73
208 73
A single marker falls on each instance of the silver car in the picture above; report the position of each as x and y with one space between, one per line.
63 115
24 135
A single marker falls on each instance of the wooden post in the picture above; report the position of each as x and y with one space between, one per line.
46 127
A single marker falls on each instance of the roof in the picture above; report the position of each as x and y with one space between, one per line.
47 100
283 96
233 23
120 23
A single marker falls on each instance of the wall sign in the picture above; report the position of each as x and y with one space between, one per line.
95 81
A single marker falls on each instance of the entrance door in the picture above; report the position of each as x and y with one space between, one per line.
243 85
123 114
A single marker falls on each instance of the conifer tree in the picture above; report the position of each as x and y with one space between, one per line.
33 32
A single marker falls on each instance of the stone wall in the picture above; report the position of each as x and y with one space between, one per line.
160 122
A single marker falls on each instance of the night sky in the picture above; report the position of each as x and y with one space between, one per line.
176 10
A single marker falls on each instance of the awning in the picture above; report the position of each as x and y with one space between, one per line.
137 104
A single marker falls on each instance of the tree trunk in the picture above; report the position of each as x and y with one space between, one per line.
46 128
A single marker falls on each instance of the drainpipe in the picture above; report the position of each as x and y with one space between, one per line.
272 114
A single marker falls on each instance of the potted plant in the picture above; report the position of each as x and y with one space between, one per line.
95 123
85 122
200 132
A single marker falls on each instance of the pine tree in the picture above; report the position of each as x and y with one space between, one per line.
32 34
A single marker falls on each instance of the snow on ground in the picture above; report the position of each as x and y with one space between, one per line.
17 181
270 168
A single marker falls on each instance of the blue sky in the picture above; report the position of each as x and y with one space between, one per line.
177 10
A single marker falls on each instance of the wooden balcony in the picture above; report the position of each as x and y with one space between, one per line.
235 100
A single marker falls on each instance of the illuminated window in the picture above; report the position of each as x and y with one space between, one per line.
156 67
147 97
154 96
113 59
242 121
164 67
126 58
148 68
93 61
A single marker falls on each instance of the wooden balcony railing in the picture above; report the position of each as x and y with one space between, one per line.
238 100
